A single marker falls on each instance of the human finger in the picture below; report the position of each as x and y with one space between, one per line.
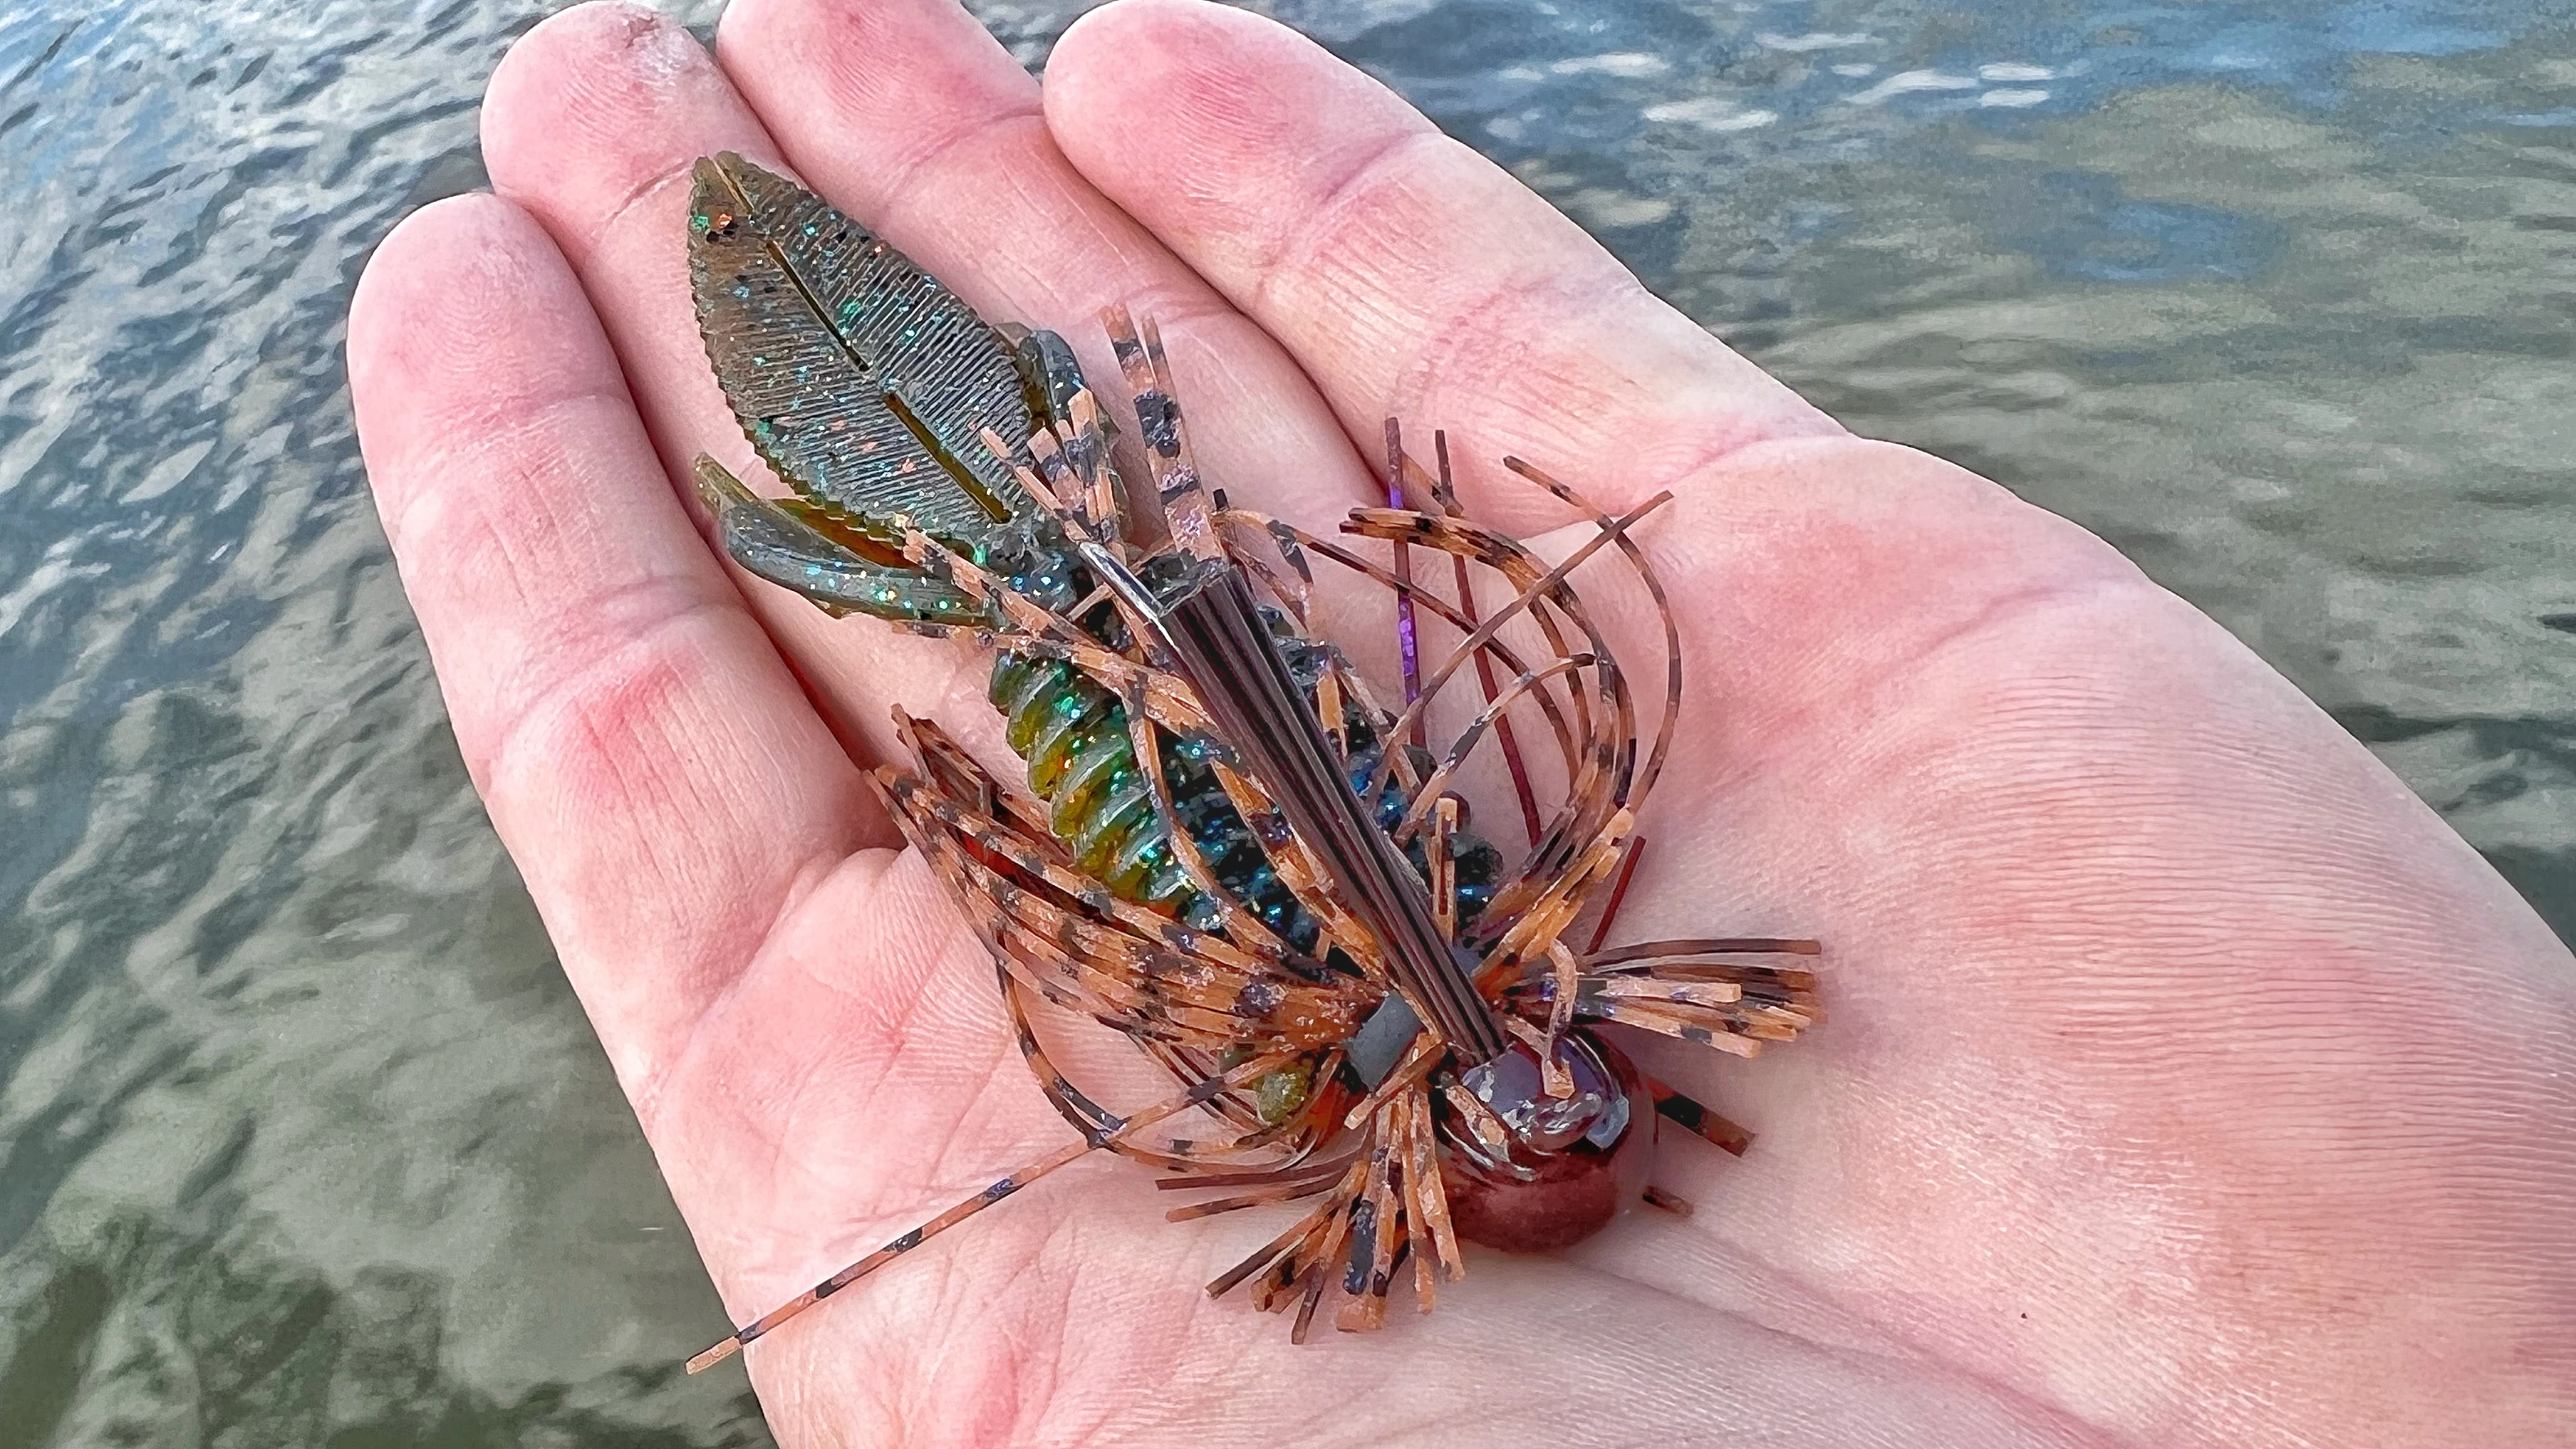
661 783
911 118
1406 273
591 123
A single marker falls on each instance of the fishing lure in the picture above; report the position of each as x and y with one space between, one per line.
1225 846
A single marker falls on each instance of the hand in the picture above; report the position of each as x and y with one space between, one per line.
2186 1081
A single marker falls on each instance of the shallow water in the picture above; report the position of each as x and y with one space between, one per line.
303 1140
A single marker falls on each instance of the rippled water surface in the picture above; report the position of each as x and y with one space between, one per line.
303 1139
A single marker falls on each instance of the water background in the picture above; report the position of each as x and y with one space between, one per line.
304 1140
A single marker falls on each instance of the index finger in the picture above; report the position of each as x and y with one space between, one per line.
1408 274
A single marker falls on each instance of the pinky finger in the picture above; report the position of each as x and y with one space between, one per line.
652 765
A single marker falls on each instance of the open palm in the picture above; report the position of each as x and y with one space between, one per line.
2187 1081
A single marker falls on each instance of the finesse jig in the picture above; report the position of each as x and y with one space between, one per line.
1226 848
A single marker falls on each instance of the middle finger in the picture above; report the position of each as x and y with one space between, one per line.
912 119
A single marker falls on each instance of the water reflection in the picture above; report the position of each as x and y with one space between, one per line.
302 1138
251 1348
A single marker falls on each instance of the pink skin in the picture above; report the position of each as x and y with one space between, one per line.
2187 1081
